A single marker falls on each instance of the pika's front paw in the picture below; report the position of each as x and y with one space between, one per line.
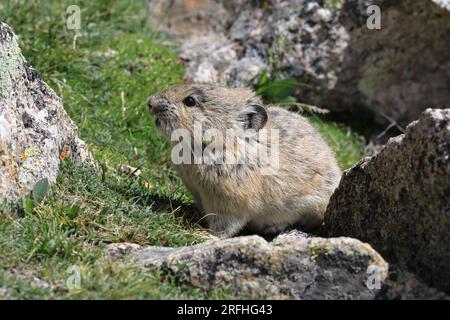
225 226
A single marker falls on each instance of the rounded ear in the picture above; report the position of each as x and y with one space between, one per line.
253 117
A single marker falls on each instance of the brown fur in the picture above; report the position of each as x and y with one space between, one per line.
233 197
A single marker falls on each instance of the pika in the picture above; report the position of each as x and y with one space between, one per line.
240 194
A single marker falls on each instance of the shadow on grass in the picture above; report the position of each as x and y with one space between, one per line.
189 212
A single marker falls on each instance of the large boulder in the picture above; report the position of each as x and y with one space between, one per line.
35 131
289 267
292 266
395 72
399 200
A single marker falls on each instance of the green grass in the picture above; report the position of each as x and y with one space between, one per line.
346 144
104 78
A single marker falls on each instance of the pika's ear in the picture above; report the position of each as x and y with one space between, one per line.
253 117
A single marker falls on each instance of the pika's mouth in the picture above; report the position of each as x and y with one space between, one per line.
163 121
160 114
164 126
158 111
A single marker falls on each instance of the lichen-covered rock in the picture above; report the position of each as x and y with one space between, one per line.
34 128
395 72
294 267
399 200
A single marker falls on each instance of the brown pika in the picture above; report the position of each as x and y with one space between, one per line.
239 194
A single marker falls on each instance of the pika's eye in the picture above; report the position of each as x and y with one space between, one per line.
189 101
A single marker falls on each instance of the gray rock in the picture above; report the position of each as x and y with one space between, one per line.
399 71
399 200
118 250
395 72
34 128
292 266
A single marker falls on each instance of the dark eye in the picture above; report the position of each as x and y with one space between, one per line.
189 101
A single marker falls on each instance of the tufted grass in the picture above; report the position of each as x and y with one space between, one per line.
104 72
